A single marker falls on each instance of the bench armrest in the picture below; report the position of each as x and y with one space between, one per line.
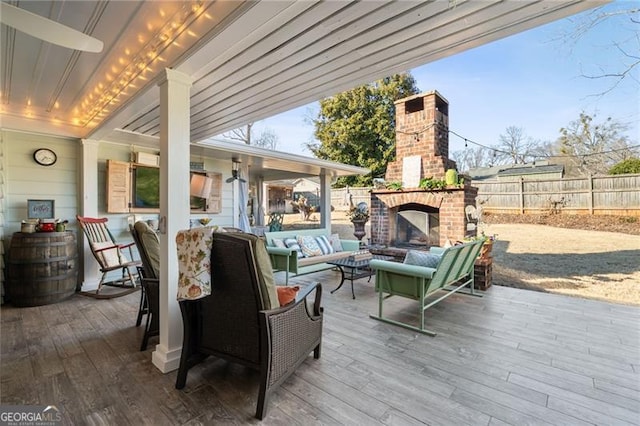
350 245
402 268
437 250
282 251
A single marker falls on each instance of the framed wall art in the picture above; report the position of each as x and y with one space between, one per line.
40 209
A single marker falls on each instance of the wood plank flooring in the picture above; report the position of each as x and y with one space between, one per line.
512 357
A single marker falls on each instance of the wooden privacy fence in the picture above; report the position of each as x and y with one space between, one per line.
340 197
598 195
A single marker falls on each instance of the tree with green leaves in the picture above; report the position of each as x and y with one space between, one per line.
630 165
593 147
357 127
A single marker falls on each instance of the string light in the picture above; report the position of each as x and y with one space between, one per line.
497 150
140 63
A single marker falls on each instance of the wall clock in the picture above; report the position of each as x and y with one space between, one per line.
45 157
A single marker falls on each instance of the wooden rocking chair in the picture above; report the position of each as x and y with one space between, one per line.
108 253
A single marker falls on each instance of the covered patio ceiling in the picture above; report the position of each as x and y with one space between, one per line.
248 60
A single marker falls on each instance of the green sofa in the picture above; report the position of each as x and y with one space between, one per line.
286 259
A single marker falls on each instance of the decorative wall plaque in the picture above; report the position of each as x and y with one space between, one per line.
411 169
40 209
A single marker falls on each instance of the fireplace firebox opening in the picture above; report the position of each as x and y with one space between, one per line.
417 226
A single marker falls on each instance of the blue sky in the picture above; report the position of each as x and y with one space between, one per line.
532 80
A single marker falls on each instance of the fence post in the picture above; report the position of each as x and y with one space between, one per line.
590 179
521 195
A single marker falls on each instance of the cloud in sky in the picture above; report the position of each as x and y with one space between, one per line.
534 80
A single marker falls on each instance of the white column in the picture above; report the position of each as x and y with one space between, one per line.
90 270
325 202
174 209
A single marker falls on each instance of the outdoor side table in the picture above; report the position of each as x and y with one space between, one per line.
355 269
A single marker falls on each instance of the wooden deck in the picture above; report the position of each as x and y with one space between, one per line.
513 357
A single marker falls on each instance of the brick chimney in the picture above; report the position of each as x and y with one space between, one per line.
415 217
422 130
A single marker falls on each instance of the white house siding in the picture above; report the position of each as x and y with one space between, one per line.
26 180
21 179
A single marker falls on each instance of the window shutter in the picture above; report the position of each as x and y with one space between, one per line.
214 203
118 186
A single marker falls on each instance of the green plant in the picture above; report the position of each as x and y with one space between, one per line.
395 185
356 214
630 165
431 183
483 237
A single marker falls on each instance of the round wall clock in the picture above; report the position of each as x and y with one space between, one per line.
45 157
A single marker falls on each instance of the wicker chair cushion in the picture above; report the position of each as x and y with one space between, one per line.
309 246
151 244
265 269
110 257
334 239
194 263
287 295
421 258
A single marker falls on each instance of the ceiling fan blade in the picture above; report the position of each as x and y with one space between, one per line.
242 180
47 30
231 179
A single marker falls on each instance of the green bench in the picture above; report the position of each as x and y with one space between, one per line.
453 272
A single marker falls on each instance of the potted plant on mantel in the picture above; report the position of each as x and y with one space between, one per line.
359 215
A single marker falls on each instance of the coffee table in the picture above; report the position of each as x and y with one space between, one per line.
355 269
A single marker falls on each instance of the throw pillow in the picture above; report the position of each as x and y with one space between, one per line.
292 243
287 294
194 263
324 244
110 256
309 246
277 242
421 258
334 239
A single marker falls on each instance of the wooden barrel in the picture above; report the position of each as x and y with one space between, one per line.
43 268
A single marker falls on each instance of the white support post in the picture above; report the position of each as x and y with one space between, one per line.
90 270
174 209
325 202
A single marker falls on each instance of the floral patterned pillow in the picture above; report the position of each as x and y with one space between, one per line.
194 263
309 246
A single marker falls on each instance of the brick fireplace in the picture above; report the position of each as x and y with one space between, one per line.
414 217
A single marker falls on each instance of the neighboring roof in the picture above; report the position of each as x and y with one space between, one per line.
531 170
274 165
540 167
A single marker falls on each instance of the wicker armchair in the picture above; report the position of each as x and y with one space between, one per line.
235 323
